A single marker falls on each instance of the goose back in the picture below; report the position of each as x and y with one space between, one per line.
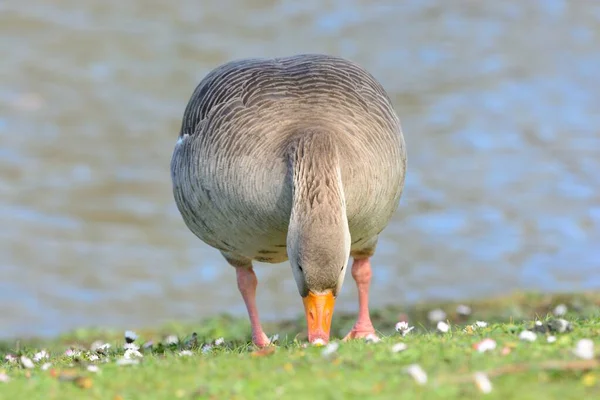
230 167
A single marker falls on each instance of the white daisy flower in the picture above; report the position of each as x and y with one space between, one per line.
186 353
131 346
560 310
130 336
436 315
551 339
485 345
171 339
403 328
99 346
220 341
26 362
40 355
463 309
372 338
528 336
443 327
10 358
481 324
131 354
72 353
45 366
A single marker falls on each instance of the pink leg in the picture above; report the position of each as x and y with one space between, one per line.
247 282
361 272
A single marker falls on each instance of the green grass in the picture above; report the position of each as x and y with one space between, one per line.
516 368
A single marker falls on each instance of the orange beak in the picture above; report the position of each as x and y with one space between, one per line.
319 310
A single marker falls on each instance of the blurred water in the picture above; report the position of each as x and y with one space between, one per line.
500 103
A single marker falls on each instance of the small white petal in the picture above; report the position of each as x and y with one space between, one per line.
584 349
10 358
207 348
443 327
220 341
130 336
398 347
560 310
330 349
186 353
463 309
318 342
481 324
131 354
372 338
26 362
403 328
93 357
483 382
538 323
45 366
72 353
417 373
127 361
436 315
93 368
561 325
485 345
39 356
99 346
171 339
528 336
551 339
131 346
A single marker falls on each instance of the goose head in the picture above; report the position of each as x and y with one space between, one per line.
318 250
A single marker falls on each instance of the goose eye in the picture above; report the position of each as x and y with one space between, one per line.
300 267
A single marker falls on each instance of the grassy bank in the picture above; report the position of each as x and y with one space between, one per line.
194 366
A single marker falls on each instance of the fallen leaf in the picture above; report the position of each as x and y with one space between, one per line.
84 382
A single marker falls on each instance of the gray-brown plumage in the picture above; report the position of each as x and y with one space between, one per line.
300 157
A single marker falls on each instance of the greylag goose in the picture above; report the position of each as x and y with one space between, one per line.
298 158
